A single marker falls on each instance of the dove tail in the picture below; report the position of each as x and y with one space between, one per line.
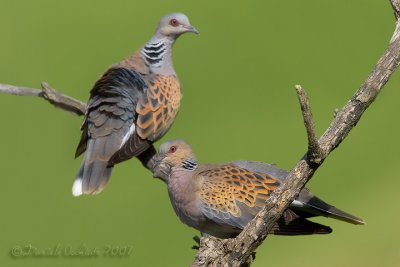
292 224
338 214
310 205
94 172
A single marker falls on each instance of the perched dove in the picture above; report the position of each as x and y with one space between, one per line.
131 106
220 199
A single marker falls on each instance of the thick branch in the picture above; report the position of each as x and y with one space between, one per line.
47 93
396 8
238 251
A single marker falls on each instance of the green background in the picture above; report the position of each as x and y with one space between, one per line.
239 103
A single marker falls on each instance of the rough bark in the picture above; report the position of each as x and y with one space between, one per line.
57 99
239 251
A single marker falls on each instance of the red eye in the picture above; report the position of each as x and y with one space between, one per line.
172 149
174 22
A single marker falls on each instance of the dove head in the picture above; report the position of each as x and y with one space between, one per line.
174 155
173 25
157 53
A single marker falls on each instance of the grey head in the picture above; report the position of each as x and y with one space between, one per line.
173 155
157 53
174 25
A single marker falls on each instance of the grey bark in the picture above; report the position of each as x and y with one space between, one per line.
239 251
57 99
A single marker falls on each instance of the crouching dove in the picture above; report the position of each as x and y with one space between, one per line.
220 199
132 105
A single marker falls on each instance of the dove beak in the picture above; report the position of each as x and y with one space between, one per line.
191 29
161 169
157 159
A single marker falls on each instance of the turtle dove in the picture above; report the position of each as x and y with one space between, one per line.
132 105
220 199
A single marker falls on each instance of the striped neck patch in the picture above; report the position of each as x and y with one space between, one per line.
189 165
153 53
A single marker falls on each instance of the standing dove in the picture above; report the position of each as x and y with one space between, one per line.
220 199
132 105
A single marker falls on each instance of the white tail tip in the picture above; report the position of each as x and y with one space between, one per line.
77 187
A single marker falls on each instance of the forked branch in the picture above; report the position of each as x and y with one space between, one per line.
57 99
315 152
239 251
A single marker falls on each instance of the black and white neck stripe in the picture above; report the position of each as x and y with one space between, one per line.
153 53
189 165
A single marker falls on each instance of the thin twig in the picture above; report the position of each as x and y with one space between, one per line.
21 91
59 100
63 101
238 251
314 148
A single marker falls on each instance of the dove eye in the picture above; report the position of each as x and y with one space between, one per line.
172 149
174 22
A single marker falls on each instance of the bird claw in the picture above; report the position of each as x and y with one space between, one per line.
197 240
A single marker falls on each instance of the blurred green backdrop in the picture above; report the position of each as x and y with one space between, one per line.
239 103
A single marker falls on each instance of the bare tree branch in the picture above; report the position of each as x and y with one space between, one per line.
59 100
314 150
396 8
238 251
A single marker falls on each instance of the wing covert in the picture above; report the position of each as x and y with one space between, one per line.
158 108
233 195
111 108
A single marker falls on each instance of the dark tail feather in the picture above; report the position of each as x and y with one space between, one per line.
292 224
133 147
314 206
338 214
95 177
146 158
92 181
94 172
